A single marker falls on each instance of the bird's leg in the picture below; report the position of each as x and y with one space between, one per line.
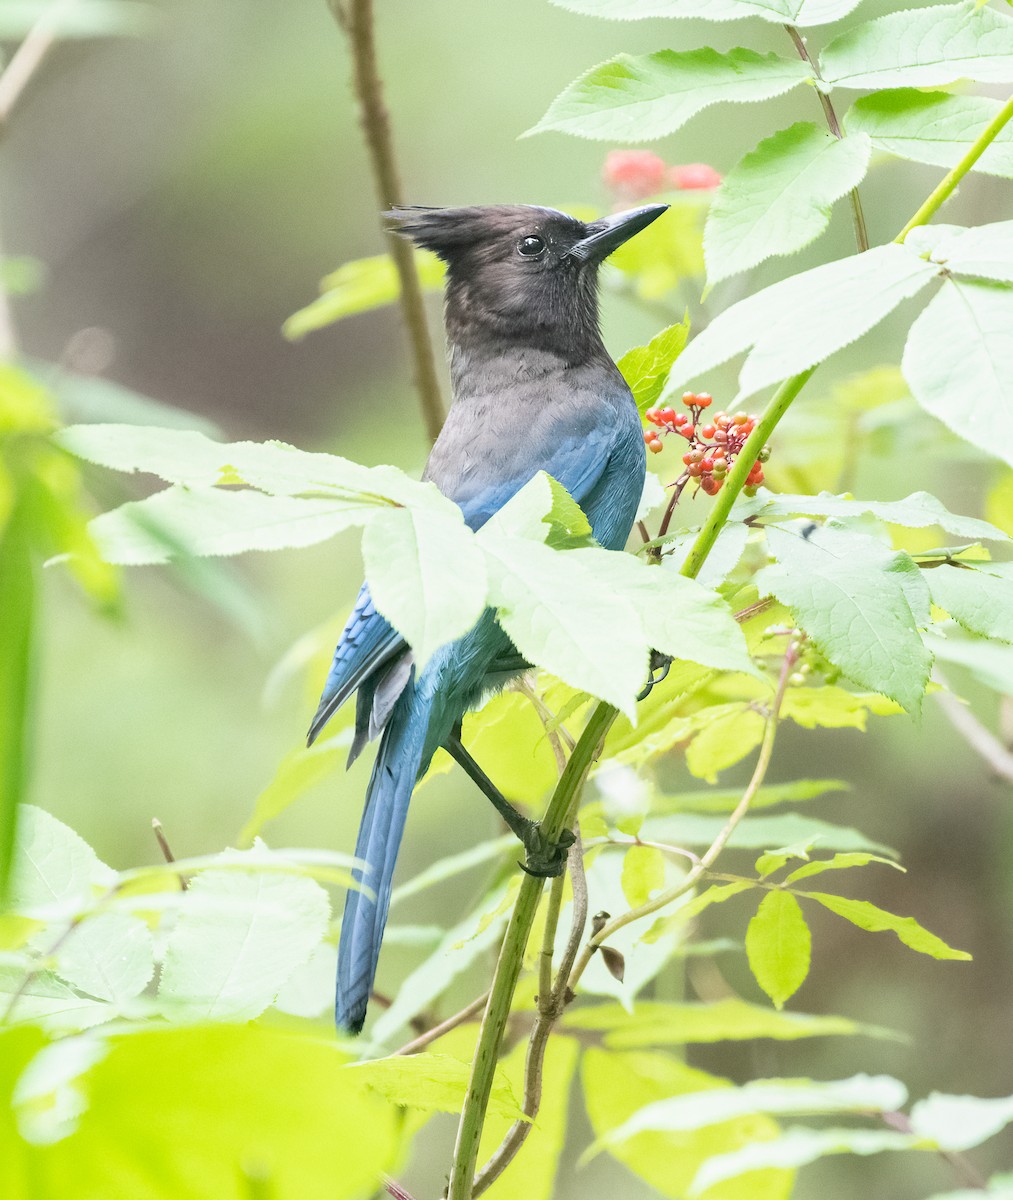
541 856
661 664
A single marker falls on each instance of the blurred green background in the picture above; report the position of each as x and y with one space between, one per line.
186 191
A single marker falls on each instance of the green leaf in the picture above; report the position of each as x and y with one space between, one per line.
643 874
832 707
652 1023
781 12
725 740
990 663
857 610
774 1097
86 19
712 800
616 1085
761 833
932 127
214 1114
958 1123
56 872
796 1148
799 322
406 555
238 938
778 945
645 368
980 602
360 286
840 862
877 920
48 1003
958 362
638 98
109 956
93 399
778 198
984 252
432 1083
17 661
916 511
923 47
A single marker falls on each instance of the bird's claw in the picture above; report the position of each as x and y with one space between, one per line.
545 859
661 664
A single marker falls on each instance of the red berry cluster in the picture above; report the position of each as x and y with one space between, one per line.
636 174
713 444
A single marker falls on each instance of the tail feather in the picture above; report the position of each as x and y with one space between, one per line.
383 821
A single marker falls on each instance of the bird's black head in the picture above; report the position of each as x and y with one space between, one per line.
521 274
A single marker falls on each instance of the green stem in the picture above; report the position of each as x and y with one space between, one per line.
948 184
511 956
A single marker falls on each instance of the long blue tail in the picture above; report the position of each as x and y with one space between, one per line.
383 821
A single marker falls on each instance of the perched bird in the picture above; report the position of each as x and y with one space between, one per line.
534 389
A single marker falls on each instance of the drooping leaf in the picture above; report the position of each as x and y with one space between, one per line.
653 1023
774 1097
645 368
638 98
797 1147
840 862
778 198
979 601
360 286
802 320
916 511
778 944
791 12
877 920
958 362
932 127
617 1084
923 47
958 1123
238 938
857 610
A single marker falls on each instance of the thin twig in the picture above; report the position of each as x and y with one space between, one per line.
163 845
396 1190
981 739
962 1166
551 1003
27 59
858 216
356 20
437 1031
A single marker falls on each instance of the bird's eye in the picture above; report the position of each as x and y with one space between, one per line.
531 247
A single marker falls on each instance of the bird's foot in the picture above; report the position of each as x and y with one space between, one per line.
544 858
661 664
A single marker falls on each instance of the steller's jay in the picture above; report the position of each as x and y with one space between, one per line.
534 389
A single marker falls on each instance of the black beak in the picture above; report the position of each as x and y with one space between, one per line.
609 233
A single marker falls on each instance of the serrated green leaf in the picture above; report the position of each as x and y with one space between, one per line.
916 511
923 47
983 252
618 1084
832 707
796 1148
773 1097
778 198
638 98
932 127
977 600
778 945
858 612
804 319
643 873
877 920
653 1023
839 862
762 833
989 662
958 362
56 872
238 938
360 286
792 12
432 1083
645 368
958 1123
48 1003
109 956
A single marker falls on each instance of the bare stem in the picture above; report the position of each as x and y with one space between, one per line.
858 216
981 739
437 1031
356 19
